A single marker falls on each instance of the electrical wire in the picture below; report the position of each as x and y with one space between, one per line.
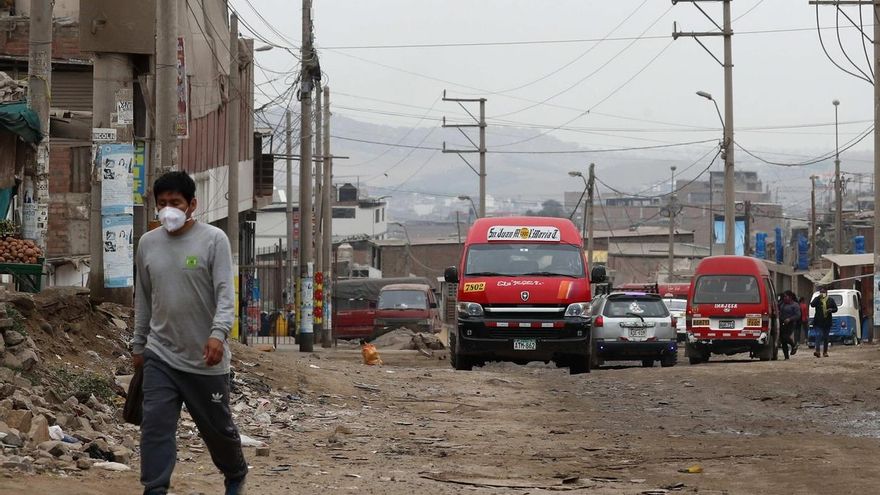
639 196
842 49
402 139
830 58
590 75
818 159
865 45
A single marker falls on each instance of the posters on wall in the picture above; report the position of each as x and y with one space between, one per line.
182 121
28 210
117 234
115 162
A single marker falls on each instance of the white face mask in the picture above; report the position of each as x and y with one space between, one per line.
172 218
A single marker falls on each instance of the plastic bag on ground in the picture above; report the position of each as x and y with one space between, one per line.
247 441
371 355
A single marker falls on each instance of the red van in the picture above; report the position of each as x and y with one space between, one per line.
411 306
523 294
732 309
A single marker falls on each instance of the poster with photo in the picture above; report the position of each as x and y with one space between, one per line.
117 232
115 162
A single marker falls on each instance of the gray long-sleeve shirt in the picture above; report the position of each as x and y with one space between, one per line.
184 296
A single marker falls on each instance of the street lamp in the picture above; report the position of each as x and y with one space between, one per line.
264 48
838 189
468 198
728 188
575 173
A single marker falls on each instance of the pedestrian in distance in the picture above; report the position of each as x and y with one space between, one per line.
825 307
789 317
804 327
184 310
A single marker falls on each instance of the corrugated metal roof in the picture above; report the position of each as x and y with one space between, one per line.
850 259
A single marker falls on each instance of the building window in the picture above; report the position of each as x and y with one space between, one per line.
344 213
377 215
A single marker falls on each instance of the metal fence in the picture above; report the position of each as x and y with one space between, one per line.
266 318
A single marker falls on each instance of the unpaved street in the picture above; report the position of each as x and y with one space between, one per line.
416 426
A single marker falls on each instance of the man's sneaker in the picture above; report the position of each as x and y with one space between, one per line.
236 486
817 354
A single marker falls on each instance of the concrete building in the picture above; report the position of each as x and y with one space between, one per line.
422 258
648 262
202 152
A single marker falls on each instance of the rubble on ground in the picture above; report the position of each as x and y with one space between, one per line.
404 339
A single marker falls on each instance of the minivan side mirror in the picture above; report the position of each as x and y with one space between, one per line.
451 275
598 275
433 305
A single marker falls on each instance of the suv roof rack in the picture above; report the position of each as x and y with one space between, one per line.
603 289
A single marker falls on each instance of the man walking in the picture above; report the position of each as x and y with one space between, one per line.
789 317
184 310
825 307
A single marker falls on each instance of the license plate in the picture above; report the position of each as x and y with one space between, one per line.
638 332
525 345
726 324
753 322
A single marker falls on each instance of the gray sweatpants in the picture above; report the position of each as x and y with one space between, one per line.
207 400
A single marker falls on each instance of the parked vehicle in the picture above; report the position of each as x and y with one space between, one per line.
523 294
846 323
407 305
677 308
732 310
355 303
633 326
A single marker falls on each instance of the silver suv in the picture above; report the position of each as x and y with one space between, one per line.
633 326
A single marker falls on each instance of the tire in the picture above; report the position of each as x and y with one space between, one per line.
694 360
669 360
595 360
766 352
459 362
696 355
647 363
580 364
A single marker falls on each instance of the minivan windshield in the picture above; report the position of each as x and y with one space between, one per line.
403 299
727 289
539 260
622 307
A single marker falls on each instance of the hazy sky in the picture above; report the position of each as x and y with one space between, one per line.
782 80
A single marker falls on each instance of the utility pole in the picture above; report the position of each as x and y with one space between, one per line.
319 218
327 226
291 286
480 148
309 67
233 111
591 187
672 204
728 145
813 218
39 88
838 189
113 77
165 144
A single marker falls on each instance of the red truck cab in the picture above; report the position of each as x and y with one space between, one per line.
732 309
523 294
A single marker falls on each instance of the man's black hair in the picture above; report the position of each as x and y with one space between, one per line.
179 182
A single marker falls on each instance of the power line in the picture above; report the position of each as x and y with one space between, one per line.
821 158
547 42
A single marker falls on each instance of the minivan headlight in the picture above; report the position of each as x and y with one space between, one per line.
470 309
578 310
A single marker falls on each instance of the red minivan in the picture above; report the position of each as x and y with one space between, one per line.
523 294
732 309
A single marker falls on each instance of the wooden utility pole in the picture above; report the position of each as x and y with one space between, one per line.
113 78
747 244
591 187
306 256
164 156
838 189
725 31
233 121
480 148
327 225
39 88
319 219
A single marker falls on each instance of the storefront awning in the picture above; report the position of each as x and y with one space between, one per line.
17 118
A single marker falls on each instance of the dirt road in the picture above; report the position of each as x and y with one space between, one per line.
808 426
